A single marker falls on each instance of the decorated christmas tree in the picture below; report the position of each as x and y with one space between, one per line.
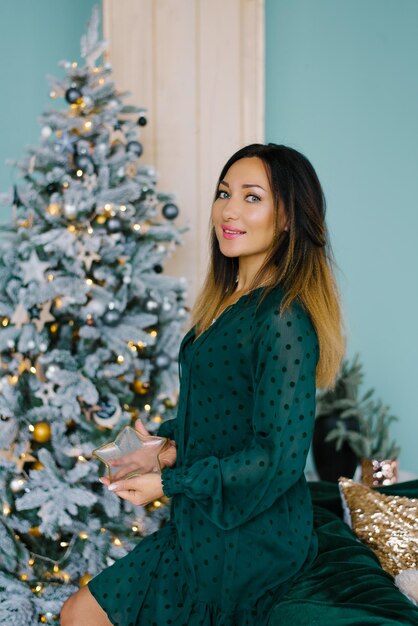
90 332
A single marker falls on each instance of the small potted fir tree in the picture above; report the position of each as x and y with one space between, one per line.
337 417
349 429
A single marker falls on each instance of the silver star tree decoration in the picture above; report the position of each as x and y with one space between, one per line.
20 316
44 316
45 393
34 268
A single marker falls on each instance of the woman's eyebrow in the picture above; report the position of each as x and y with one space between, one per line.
223 182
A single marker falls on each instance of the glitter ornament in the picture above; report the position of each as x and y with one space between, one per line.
387 524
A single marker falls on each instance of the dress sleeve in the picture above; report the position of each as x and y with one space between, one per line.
233 489
168 429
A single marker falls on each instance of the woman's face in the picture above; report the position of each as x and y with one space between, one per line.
243 211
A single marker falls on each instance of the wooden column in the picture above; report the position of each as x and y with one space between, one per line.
198 67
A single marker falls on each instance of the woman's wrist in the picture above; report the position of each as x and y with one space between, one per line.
168 455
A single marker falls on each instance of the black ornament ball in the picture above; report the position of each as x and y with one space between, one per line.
85 163
113 225
170 211
162 361
53 187
111 317
158 268
134 147
72 95
106 410
142 120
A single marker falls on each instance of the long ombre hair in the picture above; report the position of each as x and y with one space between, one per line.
300 259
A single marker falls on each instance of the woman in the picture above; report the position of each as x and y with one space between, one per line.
267 329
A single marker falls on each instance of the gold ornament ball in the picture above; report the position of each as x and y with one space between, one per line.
35 532
140 387
42 432
84 579
54 208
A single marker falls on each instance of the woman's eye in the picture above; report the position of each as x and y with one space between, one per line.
253 197
220 192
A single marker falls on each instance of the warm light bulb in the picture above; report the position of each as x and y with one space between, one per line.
88 125
120 359
64 544
117 542
32 370
153 333
6 509
157 503
31 428
56 569
81 458
31 562
14 379
147 407
136 226
23 576
122 208
50 277
83 535
89 281
79 173
5 322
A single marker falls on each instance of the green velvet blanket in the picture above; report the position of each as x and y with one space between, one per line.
345 586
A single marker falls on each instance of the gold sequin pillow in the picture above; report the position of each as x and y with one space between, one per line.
387 524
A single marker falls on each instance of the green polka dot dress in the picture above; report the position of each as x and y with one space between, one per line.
241 525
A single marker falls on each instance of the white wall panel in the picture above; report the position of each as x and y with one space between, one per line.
198 66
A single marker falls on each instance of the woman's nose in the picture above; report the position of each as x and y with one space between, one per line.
230 209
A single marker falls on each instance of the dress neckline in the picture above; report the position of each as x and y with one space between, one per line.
216 319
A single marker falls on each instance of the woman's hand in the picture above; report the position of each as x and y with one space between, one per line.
143 460
139 490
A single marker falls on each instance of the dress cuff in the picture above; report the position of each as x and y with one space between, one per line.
172 481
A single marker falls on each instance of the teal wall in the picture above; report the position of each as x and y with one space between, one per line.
34 36
342 87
